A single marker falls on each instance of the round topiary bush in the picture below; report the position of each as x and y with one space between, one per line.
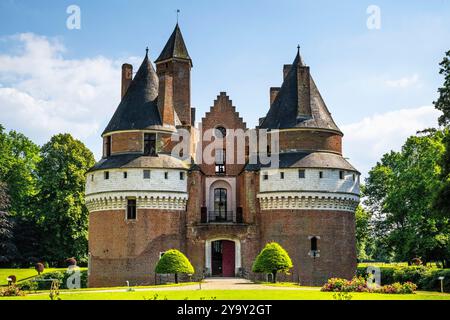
173 261
71 262
39 267
272 259
12 279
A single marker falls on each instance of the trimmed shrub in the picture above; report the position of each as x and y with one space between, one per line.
272 259
31 285
71 262
12 278
39 267
173 261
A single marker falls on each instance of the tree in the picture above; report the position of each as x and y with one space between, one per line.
173 261
8 250
272 259
442 202
400 192
63 217
443 102
363 233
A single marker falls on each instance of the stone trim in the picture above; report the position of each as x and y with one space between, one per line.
118 201
308 201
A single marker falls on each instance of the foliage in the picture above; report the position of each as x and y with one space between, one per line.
8 250
43 282
11 291
400 193
359 284
12 278
426 278
272 259
443 102
173 261
63 216
363 232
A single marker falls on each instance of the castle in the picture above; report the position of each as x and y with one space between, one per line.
143 199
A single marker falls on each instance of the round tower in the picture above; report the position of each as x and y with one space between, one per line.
137 193
308 202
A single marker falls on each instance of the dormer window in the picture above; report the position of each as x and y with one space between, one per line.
150 144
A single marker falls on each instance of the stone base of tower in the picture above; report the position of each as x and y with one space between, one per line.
336 245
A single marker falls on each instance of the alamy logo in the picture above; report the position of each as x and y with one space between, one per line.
74 19
374 19
257 147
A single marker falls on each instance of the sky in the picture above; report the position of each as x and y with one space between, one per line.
378 73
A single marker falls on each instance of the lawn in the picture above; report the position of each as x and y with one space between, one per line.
275 294
22 274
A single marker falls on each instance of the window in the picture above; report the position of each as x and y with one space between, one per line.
354 177
268 150
131 209
125 175
150 144
146 174
281 175
220 161
265 176
181 175
106 175
166 175
92 177
108 146
220 205
320 174
341 175
220 132
301 174
313 244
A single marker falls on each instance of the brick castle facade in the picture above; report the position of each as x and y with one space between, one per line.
143 200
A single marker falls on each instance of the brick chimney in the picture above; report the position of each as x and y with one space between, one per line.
127 76
273 93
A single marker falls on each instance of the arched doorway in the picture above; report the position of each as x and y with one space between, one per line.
223 258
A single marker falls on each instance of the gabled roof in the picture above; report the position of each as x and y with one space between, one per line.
175 47
138 109
284 111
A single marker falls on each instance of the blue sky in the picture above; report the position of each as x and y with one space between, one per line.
378 84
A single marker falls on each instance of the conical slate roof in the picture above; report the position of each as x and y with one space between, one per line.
138 109
284 111
175 47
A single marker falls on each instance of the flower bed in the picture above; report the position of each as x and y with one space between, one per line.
359 284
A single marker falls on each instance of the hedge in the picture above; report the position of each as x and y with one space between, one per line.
45 285
426 278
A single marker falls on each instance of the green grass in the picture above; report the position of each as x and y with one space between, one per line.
22 274
276 294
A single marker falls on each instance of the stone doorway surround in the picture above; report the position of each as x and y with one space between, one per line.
237 254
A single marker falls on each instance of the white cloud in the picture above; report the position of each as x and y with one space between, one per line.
42 93
404 82
368 139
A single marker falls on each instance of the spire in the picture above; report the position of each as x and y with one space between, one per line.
298 58
138 109
175 47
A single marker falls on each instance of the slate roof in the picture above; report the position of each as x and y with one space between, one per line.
283 112
140 161
307 160
138 109
175 47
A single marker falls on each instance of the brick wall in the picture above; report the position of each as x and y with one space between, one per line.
310 140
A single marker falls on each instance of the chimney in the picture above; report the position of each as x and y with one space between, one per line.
273 93
165 99
127 76
286 69
304 92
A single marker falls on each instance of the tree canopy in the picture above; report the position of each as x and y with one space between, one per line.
272 259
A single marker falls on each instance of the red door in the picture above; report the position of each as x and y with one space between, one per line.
228 258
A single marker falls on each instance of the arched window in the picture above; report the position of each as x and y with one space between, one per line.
220 204
314 250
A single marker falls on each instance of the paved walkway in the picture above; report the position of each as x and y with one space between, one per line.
208 284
